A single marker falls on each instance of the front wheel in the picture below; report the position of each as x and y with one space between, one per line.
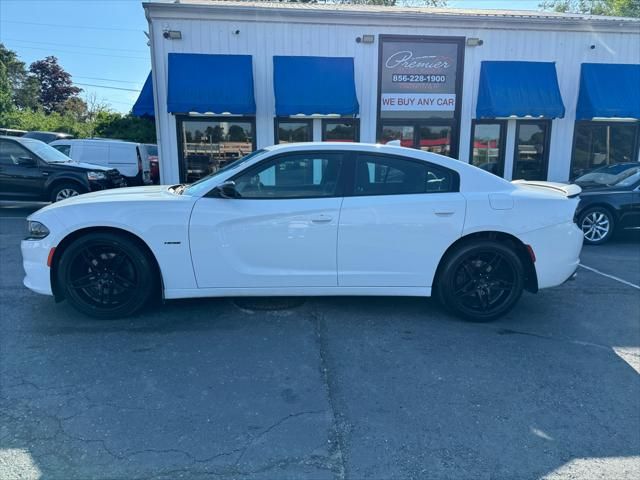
66 190
106 275
481 281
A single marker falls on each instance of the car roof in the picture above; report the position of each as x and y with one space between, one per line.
96 140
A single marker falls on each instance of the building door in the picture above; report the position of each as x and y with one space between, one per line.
420 90
532 150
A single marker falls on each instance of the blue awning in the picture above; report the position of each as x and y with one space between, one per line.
314 85
144 103
519 89
210 84
609 90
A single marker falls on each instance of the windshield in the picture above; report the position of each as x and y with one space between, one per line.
203 184
152 150
618 175
45 152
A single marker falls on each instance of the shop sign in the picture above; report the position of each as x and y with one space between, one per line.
417 77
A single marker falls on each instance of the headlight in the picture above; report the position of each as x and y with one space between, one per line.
36 230
96 176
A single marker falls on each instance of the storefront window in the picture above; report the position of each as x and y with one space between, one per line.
487 148
532 140
340 130
436 139
294 131
598 144
208 144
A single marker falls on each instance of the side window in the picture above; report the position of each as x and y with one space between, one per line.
11 152
304 175
386 175
66 149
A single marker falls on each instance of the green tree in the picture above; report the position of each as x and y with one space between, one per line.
616 8
56 86
124 127
6 103
24 88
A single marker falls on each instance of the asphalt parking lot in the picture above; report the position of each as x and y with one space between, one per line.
335 388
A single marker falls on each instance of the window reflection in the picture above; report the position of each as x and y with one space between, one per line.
207 145
598 144
292 131
531 151
487 147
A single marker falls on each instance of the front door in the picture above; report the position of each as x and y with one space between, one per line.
20 175
281 231
401 218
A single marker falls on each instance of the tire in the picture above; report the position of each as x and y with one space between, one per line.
66 190
481 280
597 225
106 275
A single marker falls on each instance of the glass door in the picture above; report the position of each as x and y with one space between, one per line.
532 150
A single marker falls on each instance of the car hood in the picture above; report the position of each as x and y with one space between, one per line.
150 193
81 166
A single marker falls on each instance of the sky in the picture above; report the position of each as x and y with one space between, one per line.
101 43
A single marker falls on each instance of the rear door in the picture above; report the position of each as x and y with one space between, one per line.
400 218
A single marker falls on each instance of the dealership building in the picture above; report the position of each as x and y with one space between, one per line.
522 94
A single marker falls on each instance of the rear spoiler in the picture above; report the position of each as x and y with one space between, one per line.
569 190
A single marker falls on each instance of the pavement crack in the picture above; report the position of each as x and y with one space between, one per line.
339 430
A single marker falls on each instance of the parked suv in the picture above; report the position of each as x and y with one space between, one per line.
127 157
32 170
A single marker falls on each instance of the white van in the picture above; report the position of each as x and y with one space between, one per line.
126 157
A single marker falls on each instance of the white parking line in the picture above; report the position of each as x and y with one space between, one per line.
612 277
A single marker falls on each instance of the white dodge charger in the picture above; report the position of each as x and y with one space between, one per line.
311 219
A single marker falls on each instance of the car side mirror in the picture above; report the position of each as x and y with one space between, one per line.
27 161
226 190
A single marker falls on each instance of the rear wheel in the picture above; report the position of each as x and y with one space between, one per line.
106 275
481 281
66 190
597 225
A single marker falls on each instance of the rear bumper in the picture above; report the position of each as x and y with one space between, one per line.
557 249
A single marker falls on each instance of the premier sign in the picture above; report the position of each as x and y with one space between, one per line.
417 78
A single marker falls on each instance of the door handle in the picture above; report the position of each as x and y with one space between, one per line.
444 213
321 218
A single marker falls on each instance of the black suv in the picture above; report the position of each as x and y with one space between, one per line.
32 170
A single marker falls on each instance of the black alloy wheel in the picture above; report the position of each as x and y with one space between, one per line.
481 281
106 275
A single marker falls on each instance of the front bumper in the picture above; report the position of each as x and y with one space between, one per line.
98 185
34 261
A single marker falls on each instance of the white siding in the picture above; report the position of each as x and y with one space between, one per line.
268 37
